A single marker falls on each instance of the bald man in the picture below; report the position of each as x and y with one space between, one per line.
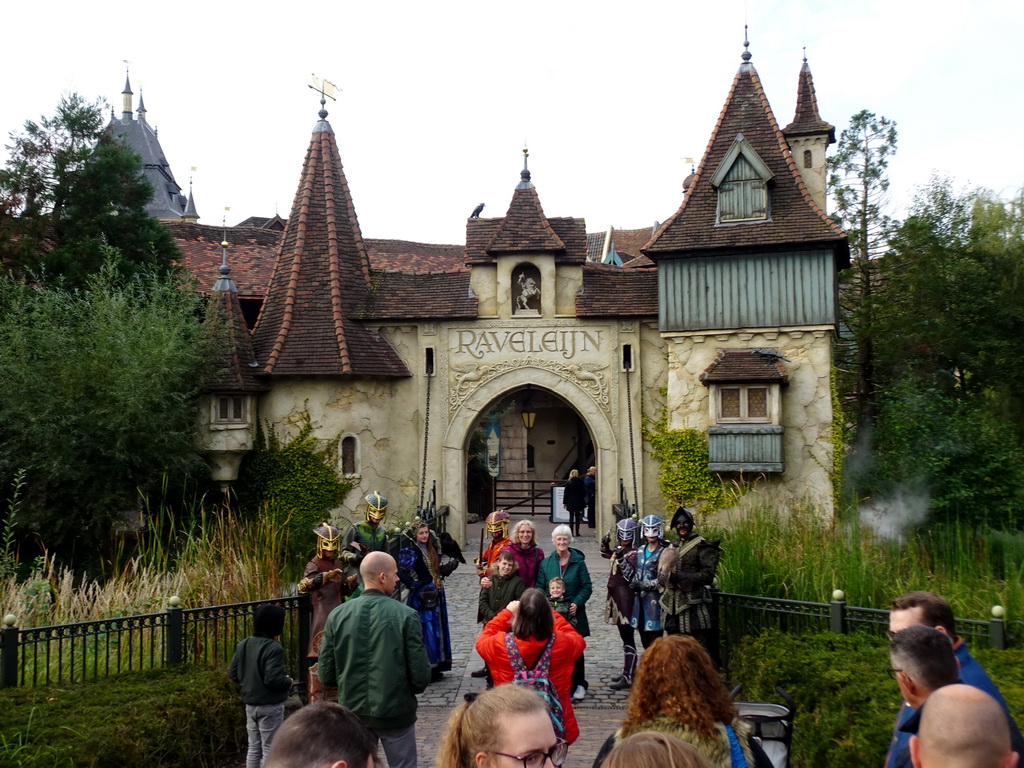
373 652
962 727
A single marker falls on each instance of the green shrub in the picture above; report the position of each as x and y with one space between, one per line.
172 717
845 702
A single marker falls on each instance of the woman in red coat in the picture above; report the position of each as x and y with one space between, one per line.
532 623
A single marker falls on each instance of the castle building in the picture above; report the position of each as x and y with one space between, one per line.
725 321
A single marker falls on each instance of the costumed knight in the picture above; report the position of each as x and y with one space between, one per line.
619 608
326 582
686 571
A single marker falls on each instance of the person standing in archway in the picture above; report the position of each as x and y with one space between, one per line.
574 499
590 484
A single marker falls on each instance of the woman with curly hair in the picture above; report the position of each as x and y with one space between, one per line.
677 690
505 727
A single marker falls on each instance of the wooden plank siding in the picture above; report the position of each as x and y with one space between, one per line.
746 448
747 291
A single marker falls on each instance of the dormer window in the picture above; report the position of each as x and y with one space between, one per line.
742 184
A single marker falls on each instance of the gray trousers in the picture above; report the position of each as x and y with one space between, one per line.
261 722
399 746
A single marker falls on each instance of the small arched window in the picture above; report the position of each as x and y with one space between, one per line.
808 162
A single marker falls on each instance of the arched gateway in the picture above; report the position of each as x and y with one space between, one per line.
724 323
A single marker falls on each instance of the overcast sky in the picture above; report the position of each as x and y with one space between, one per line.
437 99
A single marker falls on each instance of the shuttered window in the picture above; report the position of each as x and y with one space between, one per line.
743 195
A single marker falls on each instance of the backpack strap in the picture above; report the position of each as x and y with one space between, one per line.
514 656
737 758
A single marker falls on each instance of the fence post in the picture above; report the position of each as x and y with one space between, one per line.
305 624
9 652
175 631
997 628
837 612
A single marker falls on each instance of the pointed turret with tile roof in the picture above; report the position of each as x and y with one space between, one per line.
239 370
525 229
307 326
809 136
793 217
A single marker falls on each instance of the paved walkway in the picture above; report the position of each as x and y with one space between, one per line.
599 714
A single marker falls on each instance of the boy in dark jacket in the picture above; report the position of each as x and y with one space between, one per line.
556 589
505 587
258 667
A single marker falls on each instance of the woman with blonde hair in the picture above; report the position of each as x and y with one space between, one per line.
677 690
652 749
505 727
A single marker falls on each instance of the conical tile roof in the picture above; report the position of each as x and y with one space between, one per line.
321 280
794 217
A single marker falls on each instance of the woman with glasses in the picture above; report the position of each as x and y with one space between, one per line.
677 690
505 727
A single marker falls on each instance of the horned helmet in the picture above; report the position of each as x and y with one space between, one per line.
376 508
652 526
627 530
328 539
497 523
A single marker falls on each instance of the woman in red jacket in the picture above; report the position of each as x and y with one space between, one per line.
532 623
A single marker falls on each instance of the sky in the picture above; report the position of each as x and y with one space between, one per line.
437 100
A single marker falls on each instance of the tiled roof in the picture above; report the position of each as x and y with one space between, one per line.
572 233
629 242
238 370
616 292
525 227
794 217
761 364
308 324
595 245
409 296
807 121
251 251
404 256
167 202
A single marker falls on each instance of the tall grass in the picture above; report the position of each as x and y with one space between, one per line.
799 556
206 557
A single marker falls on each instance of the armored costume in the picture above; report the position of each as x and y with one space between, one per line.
497 527
640 567
327 585
687 572
369 535
619 608
422 568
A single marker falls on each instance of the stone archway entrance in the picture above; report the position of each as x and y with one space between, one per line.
565 401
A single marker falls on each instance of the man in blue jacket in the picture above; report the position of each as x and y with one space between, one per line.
932 610
373 652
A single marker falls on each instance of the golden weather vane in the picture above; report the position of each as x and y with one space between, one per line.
325 88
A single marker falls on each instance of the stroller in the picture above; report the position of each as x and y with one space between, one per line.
771 724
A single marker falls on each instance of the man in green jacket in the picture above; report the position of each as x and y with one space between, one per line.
373 652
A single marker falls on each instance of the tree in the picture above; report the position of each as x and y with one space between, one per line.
950 415
859 184
69 190
99 393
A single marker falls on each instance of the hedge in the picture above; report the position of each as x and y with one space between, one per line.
180 716
846 702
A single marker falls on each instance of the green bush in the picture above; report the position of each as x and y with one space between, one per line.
172 717
845 702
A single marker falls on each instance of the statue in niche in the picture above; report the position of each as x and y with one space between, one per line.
527 290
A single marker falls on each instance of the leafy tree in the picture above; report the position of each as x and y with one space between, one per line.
948 340
99 391
859 184
69 190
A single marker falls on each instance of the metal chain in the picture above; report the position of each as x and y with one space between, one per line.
426 435
632 447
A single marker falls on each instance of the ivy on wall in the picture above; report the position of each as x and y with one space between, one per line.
684 477
295 480
838 444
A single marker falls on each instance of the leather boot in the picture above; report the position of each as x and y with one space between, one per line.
628 668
